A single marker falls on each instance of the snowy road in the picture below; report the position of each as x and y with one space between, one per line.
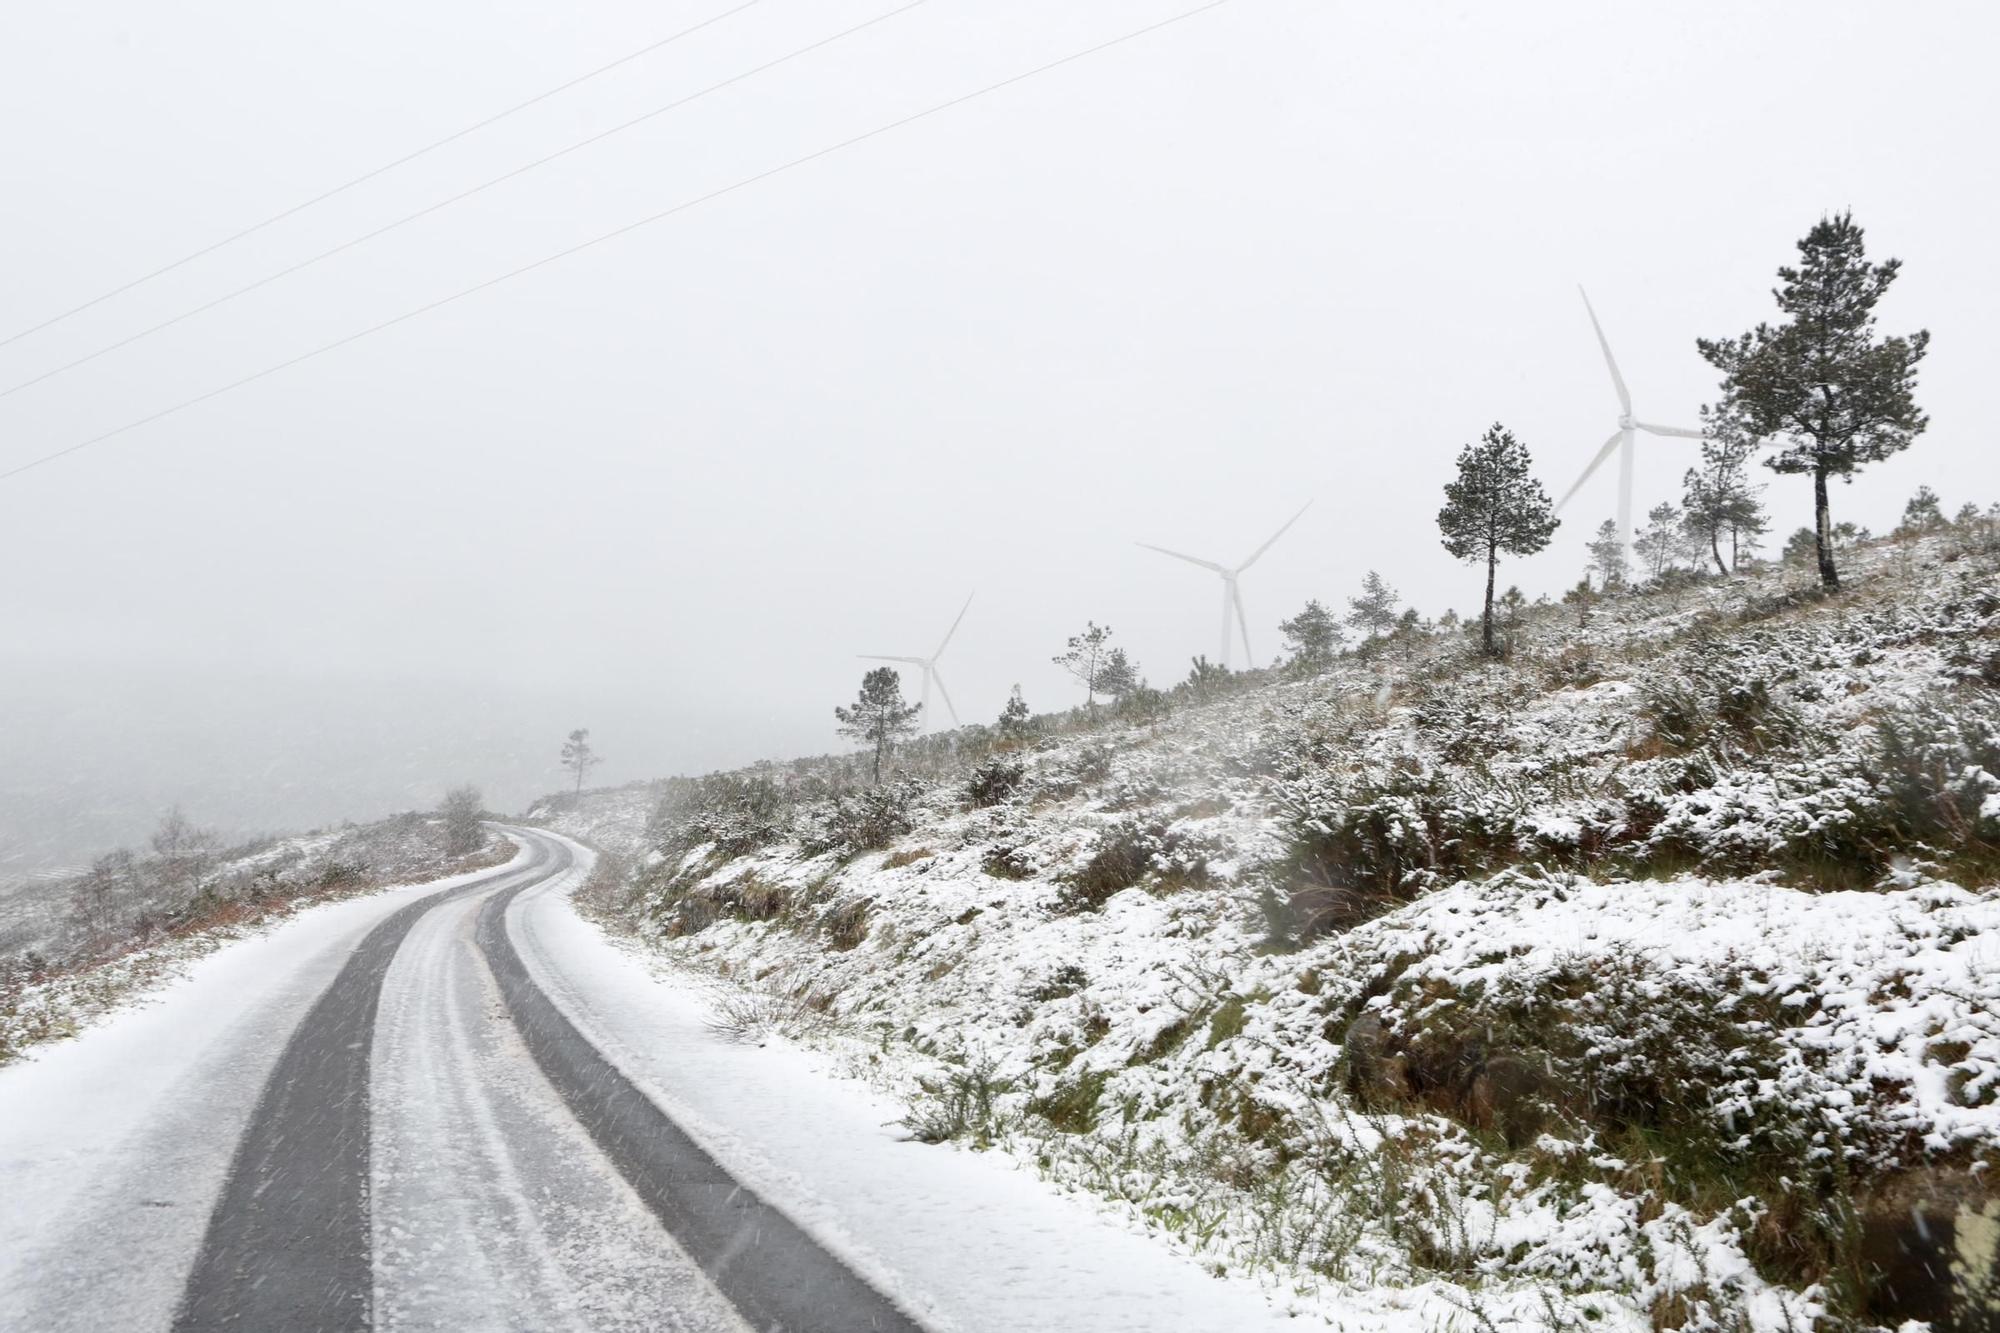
458 1106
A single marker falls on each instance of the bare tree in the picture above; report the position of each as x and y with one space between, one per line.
463 809
95 902
184 849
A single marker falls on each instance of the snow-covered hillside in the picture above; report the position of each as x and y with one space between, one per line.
72 948
1647 978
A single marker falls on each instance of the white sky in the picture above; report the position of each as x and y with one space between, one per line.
667 488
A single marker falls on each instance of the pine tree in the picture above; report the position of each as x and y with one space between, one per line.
1922 514
1084 658
878 717
1718 497
1831 394
1374 611
1660 543
578 757
1803 545
1313 636
1207 680
1118 678
1581 597
1016 722
1494 506
1610 560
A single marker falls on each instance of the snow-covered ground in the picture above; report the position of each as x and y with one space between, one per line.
489 1203
966 1241
1643 980
114 1146
72 951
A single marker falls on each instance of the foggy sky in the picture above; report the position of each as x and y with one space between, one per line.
668 488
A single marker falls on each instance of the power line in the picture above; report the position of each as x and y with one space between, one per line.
366 176
462 195
617 232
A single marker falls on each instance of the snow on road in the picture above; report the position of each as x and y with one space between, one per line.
965 1241
489 1201
490 1206
114 1146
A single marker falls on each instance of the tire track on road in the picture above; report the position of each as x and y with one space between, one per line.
289 1243
779 1278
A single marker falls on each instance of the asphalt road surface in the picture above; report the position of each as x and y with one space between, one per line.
434 1145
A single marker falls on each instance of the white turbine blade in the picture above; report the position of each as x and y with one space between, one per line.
1205 564
1242 623
1624 398
1678 432
877 657
938 676
953 630
1595 464
1274 537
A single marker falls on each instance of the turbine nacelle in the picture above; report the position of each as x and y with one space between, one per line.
1232 594
928 665
1621 440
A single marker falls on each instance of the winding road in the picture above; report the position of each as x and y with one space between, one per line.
396 1127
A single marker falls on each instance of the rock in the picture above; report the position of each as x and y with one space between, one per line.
1377 1073
1508 1095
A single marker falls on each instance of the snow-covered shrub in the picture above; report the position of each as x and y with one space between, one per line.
993 782
1068 773
1728 713
862 821
1821 819
1142 705
684 907
963 1103
1939 761
1160 854
1576 667
1359 844
735 813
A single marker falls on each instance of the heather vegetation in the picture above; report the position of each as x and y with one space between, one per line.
1631 972
75 946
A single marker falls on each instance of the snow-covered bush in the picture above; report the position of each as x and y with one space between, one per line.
735 813
1939 761
1360 843
1621 984
862 821
994 781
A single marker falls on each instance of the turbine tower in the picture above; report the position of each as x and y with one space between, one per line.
1622 438
929 665
1232 594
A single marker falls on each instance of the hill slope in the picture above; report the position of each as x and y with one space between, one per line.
1647 978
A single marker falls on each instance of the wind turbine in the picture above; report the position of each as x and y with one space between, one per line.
1621 439
1232 595
929 665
